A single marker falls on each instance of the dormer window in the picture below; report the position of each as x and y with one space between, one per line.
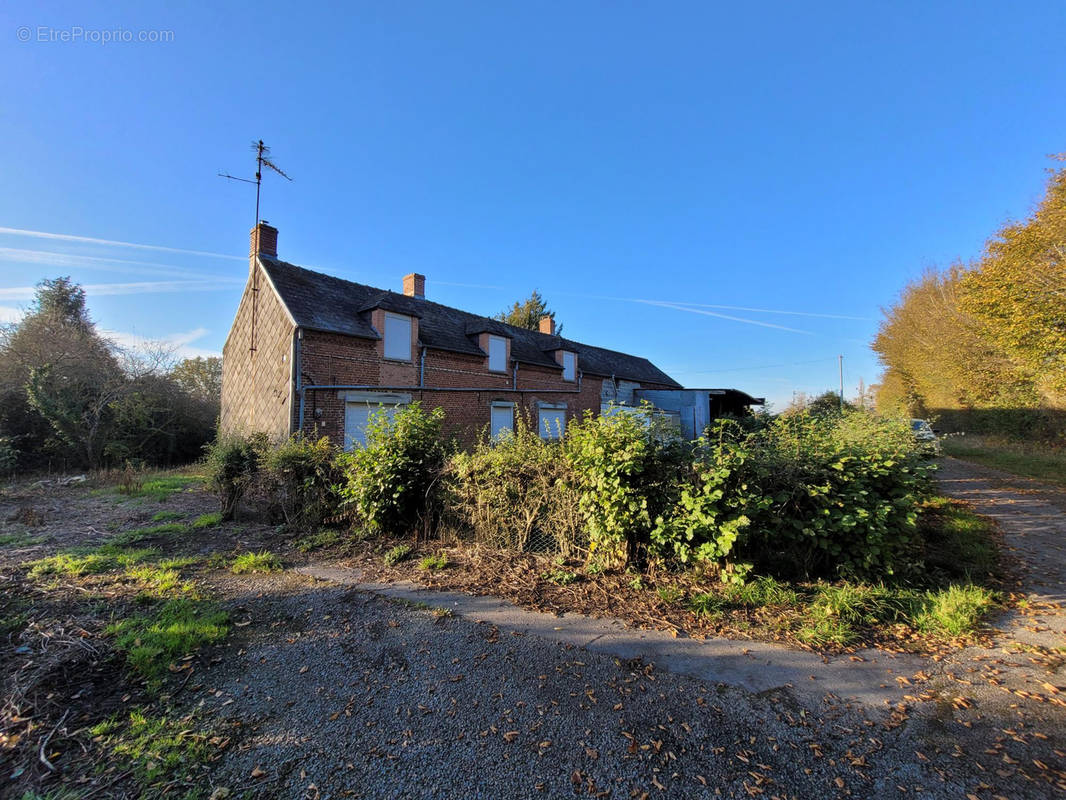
569 366
397 337
497 354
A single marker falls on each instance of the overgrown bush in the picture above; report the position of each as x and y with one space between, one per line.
516 493
302 477
626 469
810 495
392 484
233 464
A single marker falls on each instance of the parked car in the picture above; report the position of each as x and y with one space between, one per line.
925 434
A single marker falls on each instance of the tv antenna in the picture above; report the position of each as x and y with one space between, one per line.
262 159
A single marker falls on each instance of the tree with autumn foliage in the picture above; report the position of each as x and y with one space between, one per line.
990 334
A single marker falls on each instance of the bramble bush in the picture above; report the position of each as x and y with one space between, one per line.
515 492
303 477
392 484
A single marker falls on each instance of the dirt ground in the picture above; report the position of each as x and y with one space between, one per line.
320 691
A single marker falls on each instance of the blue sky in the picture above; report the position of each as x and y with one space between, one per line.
673 177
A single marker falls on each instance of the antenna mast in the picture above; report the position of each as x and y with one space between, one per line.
262 158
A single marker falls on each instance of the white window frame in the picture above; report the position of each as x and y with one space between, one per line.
498 409
551 421
393 348
569 366
497 353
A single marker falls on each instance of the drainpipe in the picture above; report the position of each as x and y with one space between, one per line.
299 376
514 377
422 368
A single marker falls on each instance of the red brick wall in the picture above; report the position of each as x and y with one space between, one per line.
335 360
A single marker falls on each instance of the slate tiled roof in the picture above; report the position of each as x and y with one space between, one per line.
325 303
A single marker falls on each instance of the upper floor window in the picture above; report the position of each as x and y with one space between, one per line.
497 354
569 366
397 337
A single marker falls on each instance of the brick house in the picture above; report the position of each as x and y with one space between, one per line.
312 352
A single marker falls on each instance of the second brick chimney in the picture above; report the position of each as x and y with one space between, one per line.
264 240
414 285
547 325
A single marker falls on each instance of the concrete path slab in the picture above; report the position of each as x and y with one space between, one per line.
754 666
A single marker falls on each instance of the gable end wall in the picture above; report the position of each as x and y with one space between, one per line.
256 386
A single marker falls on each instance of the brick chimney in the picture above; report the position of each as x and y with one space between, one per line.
264 239
414 285
547 325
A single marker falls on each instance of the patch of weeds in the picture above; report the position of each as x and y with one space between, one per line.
156 748
19 540
167 516
826 632
158 488
707 604
560 577
218 560
763 591
264 561
955 611
211 520
136 535
316 541
637 583
671 595
151 642
75 563
443 613
434 562
53 794
400 552
158 580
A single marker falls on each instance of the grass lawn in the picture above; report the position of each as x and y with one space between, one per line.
1043 462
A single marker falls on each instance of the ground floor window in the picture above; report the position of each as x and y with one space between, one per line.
359 407
551 420
501 419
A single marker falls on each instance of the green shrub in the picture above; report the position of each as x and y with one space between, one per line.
395 555
233 464
833 495
717 503
392 484
302 476
264 561
625 468
516 493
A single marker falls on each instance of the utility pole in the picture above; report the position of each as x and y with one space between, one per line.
840 366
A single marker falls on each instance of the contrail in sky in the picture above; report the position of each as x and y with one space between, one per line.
677 307
145 287
49 258
66 237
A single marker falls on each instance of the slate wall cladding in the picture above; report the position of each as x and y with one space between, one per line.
256 384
